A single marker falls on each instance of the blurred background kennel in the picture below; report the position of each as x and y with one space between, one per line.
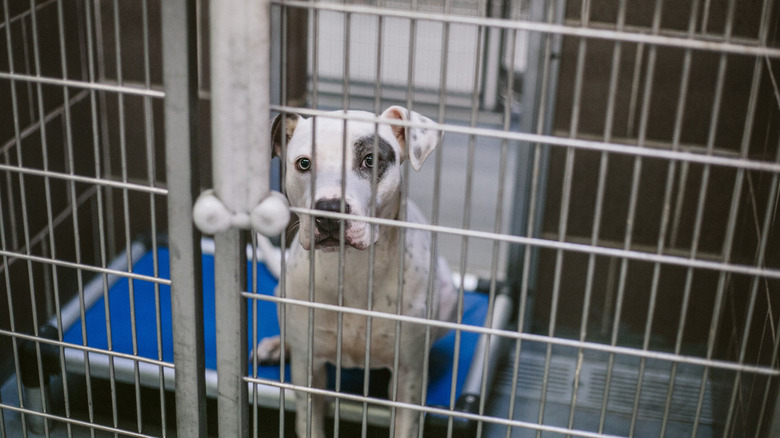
609 167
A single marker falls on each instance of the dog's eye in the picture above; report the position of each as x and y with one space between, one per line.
368 161
303 164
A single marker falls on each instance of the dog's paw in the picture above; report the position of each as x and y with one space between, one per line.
268 351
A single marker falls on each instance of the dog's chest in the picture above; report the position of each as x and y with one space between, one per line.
354 281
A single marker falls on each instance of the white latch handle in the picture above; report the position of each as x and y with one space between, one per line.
269 217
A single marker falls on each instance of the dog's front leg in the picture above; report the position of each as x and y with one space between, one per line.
309 423
409 376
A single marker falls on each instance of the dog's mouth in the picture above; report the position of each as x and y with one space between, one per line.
328 242
332 242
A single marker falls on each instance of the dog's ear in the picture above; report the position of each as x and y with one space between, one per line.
277 131
416 143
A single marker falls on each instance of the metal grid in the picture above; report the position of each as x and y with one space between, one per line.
81 166
622 145
614 166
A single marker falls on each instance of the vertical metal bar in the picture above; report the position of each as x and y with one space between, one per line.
180 76
764 231
617 52
629 233
10 301
774 426
312 265
566 194
253 329
94 111
151 171
434 209
240 50
538 96
492 45
301 18
377 108
393 390
123 157
295 73
9 181
230 312
69 141
680 111
347 17
538 90
500 307
26 52
98 65
39 424
466 224
3 243
766 227
732 217
648 91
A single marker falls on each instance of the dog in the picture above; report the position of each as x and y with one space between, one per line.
373 155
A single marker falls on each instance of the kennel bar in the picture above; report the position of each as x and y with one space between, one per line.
180 68
240 90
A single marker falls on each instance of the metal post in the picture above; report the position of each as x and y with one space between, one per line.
241 157
181 99
230 312
240 74
538 97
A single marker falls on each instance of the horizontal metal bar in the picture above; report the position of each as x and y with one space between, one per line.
549 28
91 268
647 354
669 32
428 409
84 179
98 86
74 422
85 348
623 149
693 148
551 244
639 247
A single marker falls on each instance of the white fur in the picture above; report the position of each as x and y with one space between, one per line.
415 299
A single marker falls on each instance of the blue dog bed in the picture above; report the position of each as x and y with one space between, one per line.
442 352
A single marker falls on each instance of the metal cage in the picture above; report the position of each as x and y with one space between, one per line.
607 185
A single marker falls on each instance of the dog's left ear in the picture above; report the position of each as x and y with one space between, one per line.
277 131
416 143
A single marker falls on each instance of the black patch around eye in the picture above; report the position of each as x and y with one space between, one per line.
382 159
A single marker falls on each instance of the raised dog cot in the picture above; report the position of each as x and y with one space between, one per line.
605 193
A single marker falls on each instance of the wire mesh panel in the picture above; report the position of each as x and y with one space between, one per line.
613 164
80 138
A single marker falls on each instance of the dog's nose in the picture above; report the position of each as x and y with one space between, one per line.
329 225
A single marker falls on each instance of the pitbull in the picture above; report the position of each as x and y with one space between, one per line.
373 155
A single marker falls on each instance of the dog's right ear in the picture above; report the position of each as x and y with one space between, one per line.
290 121
421 141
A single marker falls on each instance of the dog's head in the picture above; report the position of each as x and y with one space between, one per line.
351 164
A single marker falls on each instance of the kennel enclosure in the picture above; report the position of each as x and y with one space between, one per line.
608 183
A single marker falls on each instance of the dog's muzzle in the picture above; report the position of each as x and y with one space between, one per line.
328 229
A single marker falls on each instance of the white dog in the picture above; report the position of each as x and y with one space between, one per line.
316 149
